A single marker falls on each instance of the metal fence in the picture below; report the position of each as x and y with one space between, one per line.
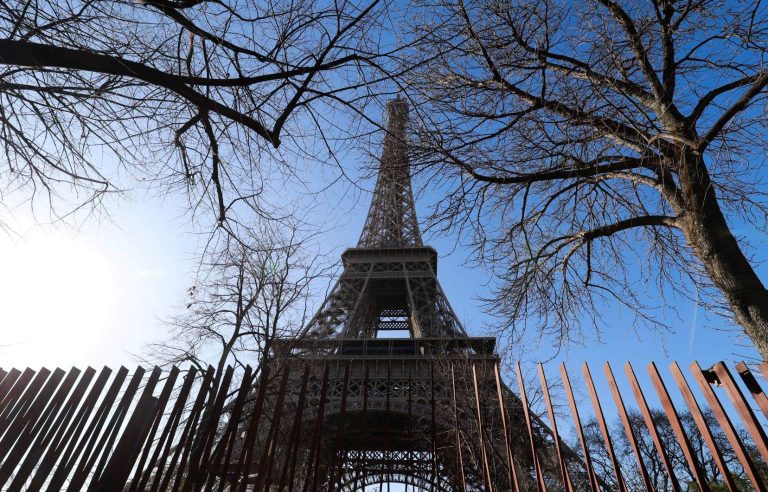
289 427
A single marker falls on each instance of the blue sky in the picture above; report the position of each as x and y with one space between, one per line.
147 246
104 290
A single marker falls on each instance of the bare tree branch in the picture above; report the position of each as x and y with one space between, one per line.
145 85
545 128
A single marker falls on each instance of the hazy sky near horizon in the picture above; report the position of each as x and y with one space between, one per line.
94 295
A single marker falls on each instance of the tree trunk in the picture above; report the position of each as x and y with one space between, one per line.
707 231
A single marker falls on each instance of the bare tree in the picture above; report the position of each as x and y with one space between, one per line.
250 291
598 150
97 95
657 472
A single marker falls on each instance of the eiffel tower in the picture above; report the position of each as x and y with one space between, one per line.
385 385
389 282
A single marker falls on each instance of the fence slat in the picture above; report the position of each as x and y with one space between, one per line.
13 421
340 428
433 426
727 427
8 381
481 432
101 447
677 427
78 447
754 387
118 468
593 485
313 463
11 396
70 428
627 426
115 472
651 426
181 454
35 439
510 463
224 448
701 423
603 426
165 443
265 465
743 409
289 469
526 413
52 443
203 442
19 433
162 401
246 453
457 431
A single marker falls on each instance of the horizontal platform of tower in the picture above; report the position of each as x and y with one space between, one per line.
387 348
358 256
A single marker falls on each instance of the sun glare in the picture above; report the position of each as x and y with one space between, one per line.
56 294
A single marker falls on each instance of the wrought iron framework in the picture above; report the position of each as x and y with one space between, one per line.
389 282
392 220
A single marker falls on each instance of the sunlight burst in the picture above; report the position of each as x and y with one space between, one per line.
57 293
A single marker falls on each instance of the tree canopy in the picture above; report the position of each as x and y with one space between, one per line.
599 152
100 96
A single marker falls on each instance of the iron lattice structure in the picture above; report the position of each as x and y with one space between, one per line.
389 281
392 220
376 419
